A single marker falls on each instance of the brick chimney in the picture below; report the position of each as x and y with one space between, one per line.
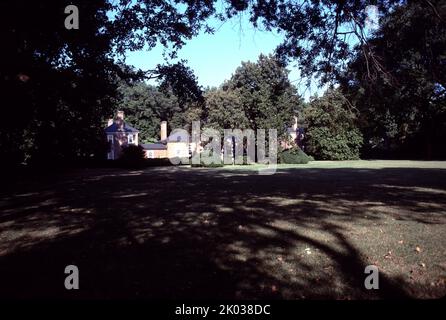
163 130
120 119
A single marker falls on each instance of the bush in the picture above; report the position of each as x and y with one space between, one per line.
294 156
326 146
203 165
332 132
132 157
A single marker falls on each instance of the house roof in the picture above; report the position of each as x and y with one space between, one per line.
115 128
154 146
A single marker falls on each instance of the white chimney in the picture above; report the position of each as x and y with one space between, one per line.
163 130
120 119
295 123
109 122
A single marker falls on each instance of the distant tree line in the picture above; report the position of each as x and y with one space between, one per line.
259 95
59 86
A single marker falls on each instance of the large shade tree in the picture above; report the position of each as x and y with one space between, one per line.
403 103
224 110
268 98
59 83
145 106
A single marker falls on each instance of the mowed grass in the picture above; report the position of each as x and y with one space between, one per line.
307 231
365 164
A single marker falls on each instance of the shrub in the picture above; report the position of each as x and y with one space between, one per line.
294 156
326 146
203 165
332 132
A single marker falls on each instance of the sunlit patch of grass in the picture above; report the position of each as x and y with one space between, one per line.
365 164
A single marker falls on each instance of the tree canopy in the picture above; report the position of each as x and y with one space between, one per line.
60 85
332 132
259 95
267 97
224 110
403 105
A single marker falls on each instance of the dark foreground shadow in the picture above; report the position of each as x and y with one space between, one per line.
204 233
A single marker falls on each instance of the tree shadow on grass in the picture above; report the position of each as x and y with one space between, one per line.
203 233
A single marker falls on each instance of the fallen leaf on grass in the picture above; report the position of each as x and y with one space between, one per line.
418 249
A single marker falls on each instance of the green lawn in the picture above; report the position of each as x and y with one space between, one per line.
365 164
307 231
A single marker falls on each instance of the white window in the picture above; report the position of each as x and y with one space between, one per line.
130 138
